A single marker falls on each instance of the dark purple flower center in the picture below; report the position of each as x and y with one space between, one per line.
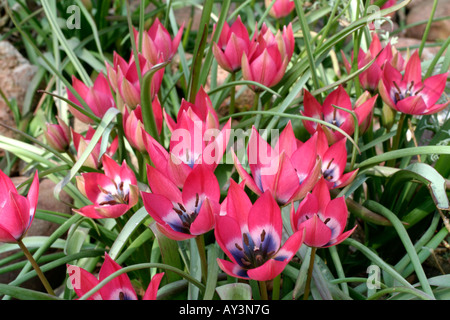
121 196
249 255
407 91
329 172
187 217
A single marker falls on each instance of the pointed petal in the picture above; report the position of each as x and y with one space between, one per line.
265 218
250 183
433 88
83 282
205 219
317 234
232 269
413 69
202 182
121 284
152 289
160 184
268 271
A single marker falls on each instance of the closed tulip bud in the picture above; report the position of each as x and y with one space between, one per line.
281 8
58 135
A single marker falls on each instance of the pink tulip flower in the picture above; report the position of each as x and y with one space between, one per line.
16 211
81 143
251 236
185 214
363 109
196 139
334 160
281 8
370 78
98 98
201 110
289 170
133 124
157 43
124 78
409 93
233 42
322 219
58 135
119 288
112 193
267 63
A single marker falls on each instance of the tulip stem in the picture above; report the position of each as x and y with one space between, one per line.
200 240
232 94
36 267
310 270
276 287
263 290
396 141
256 107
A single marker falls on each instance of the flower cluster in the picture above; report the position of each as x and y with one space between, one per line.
172 173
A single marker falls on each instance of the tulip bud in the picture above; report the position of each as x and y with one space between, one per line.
58 135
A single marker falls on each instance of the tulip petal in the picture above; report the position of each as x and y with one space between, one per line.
317 234
152 289
249 181
232 269
118 286
205 219
433 87
84 282
413 69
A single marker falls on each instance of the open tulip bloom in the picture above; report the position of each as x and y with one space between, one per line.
409 93
184 214
112 193
119 288
323 219
250 235
16 211
370 78
363 109
195 140
289 170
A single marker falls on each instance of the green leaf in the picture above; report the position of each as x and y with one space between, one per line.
425 174
235 291
132 224
169 252
25 294
400 153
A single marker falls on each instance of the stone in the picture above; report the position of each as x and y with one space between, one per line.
405 43
16 74
420 11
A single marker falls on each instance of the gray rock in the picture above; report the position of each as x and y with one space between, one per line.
16 74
